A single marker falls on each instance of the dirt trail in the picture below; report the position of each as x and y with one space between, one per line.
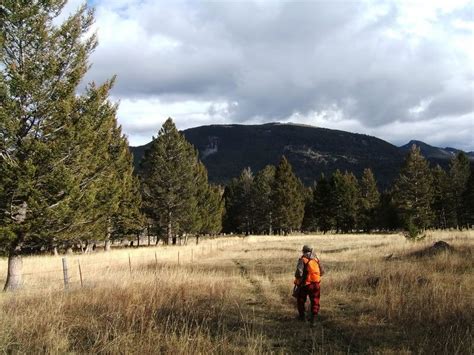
276 319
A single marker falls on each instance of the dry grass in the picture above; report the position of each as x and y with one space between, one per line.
236 298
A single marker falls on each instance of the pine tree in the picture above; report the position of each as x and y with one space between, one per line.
387 216
309 223
441 197
169 182
288 199
262 197
45 172
239 204
126 219
323 205
215 211
369 201
210 204
413 191
468 202
346 200
458 175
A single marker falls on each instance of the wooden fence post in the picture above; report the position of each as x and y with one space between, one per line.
178 258
80 272
65 274
156 261
130 264
192 255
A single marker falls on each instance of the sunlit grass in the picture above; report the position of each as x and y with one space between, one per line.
377 296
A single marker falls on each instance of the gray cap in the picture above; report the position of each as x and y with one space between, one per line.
307 249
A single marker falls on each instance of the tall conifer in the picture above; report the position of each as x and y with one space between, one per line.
169 182
47 167
323 202
369 201
345 200
441 197
262 196
458 176
467 200
239 204
288 199
413 191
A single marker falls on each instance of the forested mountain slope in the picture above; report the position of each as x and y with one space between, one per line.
227 149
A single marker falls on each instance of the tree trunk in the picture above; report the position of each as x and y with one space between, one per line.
88 249
15 266
55 251
107 237
169 231
197 239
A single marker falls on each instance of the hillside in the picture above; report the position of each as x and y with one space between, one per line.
435 153
227 149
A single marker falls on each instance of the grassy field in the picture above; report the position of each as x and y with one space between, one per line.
234 296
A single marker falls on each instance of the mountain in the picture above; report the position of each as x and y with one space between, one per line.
431 152
227 149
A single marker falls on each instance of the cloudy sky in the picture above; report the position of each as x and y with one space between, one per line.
398 70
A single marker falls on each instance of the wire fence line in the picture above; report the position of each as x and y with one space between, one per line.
78 271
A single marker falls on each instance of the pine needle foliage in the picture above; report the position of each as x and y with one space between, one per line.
413 191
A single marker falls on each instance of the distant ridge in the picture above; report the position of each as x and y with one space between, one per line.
227 149
431 152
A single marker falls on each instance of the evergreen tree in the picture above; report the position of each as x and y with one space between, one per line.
126 219
48 169
387 216
309 223
262 197
323 205
346 200
458 175
441 197
288 199
239 204
413 191
169 182
210 204
468 202
215 211
369 201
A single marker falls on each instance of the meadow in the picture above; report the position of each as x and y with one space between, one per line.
380 294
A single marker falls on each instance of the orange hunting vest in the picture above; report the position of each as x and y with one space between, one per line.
313 272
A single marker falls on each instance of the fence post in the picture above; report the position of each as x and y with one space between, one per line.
65 274
156 261
130 264
178 258
80 272
192 255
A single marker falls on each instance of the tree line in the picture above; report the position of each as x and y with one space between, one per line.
67 179
275 201
66 172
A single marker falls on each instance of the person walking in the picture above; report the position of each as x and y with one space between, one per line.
307 283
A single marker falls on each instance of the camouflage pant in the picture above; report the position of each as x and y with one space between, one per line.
313 292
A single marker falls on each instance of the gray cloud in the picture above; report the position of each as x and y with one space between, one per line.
273 60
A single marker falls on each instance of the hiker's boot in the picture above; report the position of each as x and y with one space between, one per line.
301 318
312 320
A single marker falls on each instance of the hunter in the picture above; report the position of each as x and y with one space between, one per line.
307 283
